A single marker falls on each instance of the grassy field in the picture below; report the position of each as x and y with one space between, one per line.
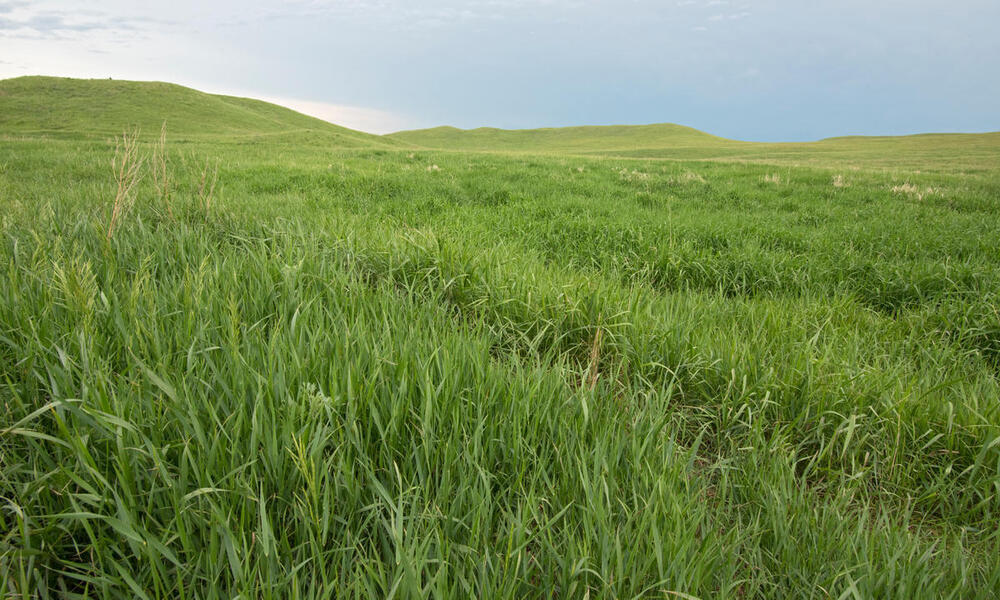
359 367
944 153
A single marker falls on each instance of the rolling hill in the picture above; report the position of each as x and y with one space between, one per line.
587 139
57 107
978 151
65 107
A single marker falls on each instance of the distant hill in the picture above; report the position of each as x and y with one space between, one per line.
72 107
586 139
970 151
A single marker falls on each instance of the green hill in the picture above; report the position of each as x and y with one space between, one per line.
565 139
73 107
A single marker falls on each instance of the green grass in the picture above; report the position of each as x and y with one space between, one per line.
372 372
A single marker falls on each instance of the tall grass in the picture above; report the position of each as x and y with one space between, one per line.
504 378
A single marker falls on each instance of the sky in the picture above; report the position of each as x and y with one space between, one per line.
767 70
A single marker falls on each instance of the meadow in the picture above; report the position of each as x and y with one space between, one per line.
306 362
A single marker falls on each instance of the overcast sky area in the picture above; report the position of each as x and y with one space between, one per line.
766 70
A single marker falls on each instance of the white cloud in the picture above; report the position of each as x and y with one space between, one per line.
440 12
18 20
370 120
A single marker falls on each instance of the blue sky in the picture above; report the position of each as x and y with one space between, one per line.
747 69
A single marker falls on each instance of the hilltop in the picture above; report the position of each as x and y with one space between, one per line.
81 107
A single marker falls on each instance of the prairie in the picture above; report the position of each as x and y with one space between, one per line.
490 364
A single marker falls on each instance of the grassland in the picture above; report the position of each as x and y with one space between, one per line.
373 369
946 153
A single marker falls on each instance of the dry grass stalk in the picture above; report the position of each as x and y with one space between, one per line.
161 174
126 167
595 355
206 188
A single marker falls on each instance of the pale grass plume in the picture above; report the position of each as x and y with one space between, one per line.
206 187
772 178
688 177
912 190
77 285
838 181
126 167
633 175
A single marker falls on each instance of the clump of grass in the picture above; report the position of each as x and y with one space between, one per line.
632 175
129 169
688 177
910 189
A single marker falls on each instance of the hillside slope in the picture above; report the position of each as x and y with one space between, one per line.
74 107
